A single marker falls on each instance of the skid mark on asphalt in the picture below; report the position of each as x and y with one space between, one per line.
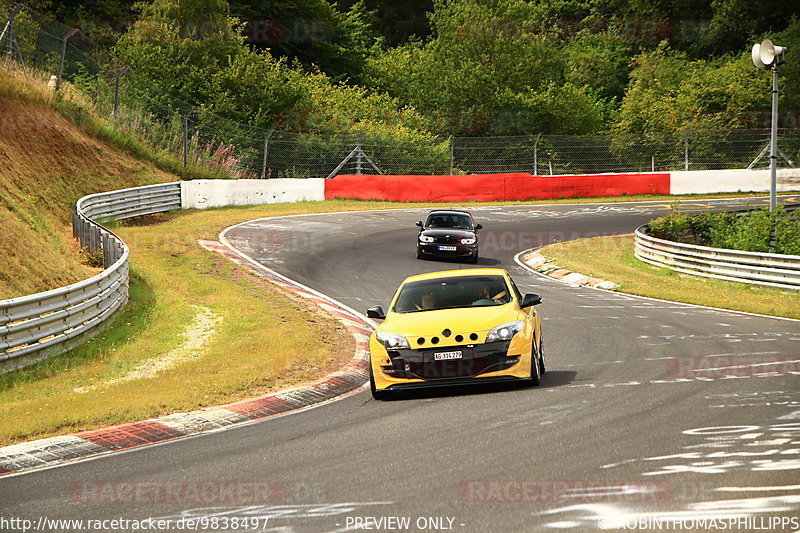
760 375
758 399
540 417
722 449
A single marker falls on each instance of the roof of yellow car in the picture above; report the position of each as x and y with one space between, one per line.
452 273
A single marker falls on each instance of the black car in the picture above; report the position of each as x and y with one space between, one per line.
448 234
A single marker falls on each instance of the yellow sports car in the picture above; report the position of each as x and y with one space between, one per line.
456 327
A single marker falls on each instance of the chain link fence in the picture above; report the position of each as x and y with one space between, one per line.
65 57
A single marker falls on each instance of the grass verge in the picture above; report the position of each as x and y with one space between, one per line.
262 339
612 259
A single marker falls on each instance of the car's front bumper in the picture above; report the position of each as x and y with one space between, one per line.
417 368
455 382
462 251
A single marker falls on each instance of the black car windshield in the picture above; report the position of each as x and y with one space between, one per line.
451 293
448 221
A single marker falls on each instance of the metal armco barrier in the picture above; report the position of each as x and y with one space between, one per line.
41 325
775 270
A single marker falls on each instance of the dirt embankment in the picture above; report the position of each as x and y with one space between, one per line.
46 163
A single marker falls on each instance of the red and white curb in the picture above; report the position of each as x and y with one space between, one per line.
62 449
536 261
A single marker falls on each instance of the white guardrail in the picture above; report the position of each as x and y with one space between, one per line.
41 325
775 270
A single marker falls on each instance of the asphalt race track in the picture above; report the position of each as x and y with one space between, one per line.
649 411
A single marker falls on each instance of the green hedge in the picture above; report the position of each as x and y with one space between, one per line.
750 231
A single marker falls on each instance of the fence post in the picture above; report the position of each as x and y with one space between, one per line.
8 31
359 152
652 163
266 148
536 155
451 154
686 150
116 87
70 33
186 138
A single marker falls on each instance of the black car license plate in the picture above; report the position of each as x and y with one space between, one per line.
447 248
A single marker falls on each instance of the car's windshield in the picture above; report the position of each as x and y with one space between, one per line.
448 220
450 293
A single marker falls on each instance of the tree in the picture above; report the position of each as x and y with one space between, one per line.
177 46
312 32
487 70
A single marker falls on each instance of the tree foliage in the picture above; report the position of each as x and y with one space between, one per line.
459 67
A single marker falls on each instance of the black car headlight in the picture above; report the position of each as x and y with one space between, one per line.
392 341
469 241
425 238
505 332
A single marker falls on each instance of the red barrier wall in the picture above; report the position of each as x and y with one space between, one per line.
492 187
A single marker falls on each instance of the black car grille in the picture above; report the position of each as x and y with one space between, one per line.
447 240
476 360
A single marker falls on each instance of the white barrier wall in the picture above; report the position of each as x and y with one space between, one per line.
202 194
710 181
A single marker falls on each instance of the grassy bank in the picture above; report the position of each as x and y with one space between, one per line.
612 259
199 331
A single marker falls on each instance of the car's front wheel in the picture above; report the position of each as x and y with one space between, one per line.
541 356
536 376
376 393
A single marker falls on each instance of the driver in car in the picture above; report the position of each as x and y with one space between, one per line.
428 301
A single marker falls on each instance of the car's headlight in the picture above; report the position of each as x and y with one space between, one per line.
468 241
504 332
425 238
392 341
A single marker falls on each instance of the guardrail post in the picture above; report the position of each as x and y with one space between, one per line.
81 231
74 210
104 237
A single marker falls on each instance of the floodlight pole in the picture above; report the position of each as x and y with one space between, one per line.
773 143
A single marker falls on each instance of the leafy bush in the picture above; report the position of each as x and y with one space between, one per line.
787 235
750 231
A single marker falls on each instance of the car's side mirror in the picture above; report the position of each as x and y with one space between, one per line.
376 312
419 223
479 226
531 299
